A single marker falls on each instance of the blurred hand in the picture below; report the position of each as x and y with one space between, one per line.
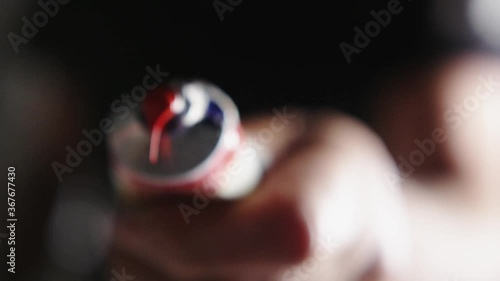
333 206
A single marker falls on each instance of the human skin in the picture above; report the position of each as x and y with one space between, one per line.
328 210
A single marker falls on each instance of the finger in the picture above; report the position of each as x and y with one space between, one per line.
313 195
334 181
470 100
451 240
196 243
445 120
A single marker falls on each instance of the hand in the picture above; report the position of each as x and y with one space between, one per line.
333 207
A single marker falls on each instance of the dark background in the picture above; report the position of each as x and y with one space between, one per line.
264 54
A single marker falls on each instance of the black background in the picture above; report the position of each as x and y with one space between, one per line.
263 54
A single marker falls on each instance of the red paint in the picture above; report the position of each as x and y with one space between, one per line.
157 111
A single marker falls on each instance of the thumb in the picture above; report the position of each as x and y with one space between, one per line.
333 181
